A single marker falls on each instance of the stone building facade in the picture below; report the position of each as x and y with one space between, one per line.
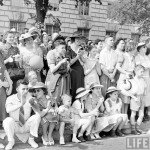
91 21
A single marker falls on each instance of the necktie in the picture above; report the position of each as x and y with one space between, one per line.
21 117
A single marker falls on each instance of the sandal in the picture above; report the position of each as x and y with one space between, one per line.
51 142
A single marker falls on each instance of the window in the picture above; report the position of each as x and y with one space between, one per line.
111 33
50 29
135 37
83 9
19 26
84 32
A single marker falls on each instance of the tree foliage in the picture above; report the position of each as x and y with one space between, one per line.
132 12
42 6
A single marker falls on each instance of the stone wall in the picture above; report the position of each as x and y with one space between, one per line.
68 14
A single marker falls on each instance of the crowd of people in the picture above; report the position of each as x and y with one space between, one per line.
93 86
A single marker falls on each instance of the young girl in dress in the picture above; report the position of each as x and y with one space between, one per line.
47 109
92 69
66 113
113 105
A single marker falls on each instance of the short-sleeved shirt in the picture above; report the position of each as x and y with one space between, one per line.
138 86
65 111
108 58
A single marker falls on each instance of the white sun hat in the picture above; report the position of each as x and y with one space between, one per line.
81 92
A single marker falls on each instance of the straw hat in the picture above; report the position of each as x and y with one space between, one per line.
111 89
33 31
27 35
93 85
81 92
57 36
38 85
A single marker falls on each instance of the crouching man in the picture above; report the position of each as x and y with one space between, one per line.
19 121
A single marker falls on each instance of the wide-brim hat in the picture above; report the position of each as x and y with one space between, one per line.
27 35
34 31
38 85
81 92
112 89
140 45
57 36
93 85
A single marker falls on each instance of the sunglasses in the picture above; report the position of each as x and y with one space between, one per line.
34 90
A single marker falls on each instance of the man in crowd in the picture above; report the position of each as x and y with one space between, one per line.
19 120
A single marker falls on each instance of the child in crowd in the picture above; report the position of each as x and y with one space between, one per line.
66 117
83 119
137 92
113 106
125 66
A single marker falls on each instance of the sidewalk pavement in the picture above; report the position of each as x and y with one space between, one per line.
118 143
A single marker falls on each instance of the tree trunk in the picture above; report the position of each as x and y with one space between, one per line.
41 10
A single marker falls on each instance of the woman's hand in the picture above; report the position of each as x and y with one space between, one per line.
17 58
63 61
9 60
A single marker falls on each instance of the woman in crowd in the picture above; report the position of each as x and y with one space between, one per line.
47 110
143 59
92 69
113 105
12 59
32 58
125 65
58 79
76 72
84 119
108 61
119 47
95 101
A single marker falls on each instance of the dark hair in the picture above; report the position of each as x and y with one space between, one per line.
45 91
97 41
59 42
23 81
117 42
139 47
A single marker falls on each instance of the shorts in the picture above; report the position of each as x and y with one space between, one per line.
125 99
137 105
